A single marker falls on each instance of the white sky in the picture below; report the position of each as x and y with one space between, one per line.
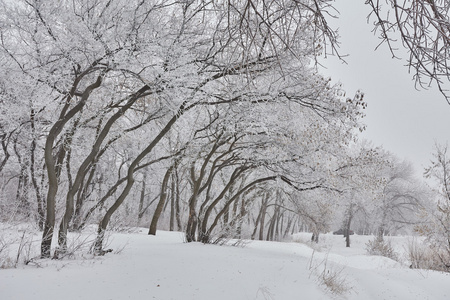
403 120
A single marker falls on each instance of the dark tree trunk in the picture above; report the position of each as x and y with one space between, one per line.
198 188
230 201
347 228
315 237
88 161
4 141
39 200
269 234
98 245
141 199
162 201
22 197
288 226
172 203
205 232
262 219
258 218
50 161
112 190
279 226
177 203
242 214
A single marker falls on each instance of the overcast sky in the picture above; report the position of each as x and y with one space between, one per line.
403 120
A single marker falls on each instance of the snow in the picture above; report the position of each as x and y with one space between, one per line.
165 267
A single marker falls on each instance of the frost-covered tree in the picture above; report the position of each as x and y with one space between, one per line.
110 81
402 196
422 27
424 30
247 78
437 227
382 195
359 177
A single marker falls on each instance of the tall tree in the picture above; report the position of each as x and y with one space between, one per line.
437 227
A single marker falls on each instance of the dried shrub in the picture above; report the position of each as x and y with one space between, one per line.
425 256
379 246
330 277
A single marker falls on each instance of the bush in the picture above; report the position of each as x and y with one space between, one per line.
379 246
428 257
331 278
334 281
16 247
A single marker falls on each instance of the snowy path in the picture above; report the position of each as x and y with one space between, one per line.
163 267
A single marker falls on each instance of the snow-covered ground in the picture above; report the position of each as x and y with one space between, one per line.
164 267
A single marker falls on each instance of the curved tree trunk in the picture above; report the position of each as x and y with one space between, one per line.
207 235
162 201
204 234
192 223
4 141
50 161
112 190
62 238
98 245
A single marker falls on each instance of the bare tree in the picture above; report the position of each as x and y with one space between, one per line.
424 29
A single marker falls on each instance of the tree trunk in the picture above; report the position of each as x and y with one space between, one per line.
4 141
113 189
177 203
193 221
269 234
257 220
279 226
39 200
141 199
205 232
82 195
263 217
242 213
315 237
50 161
98 245
83 169
231 200
172 203
288 226
51 195
347 229
162 201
